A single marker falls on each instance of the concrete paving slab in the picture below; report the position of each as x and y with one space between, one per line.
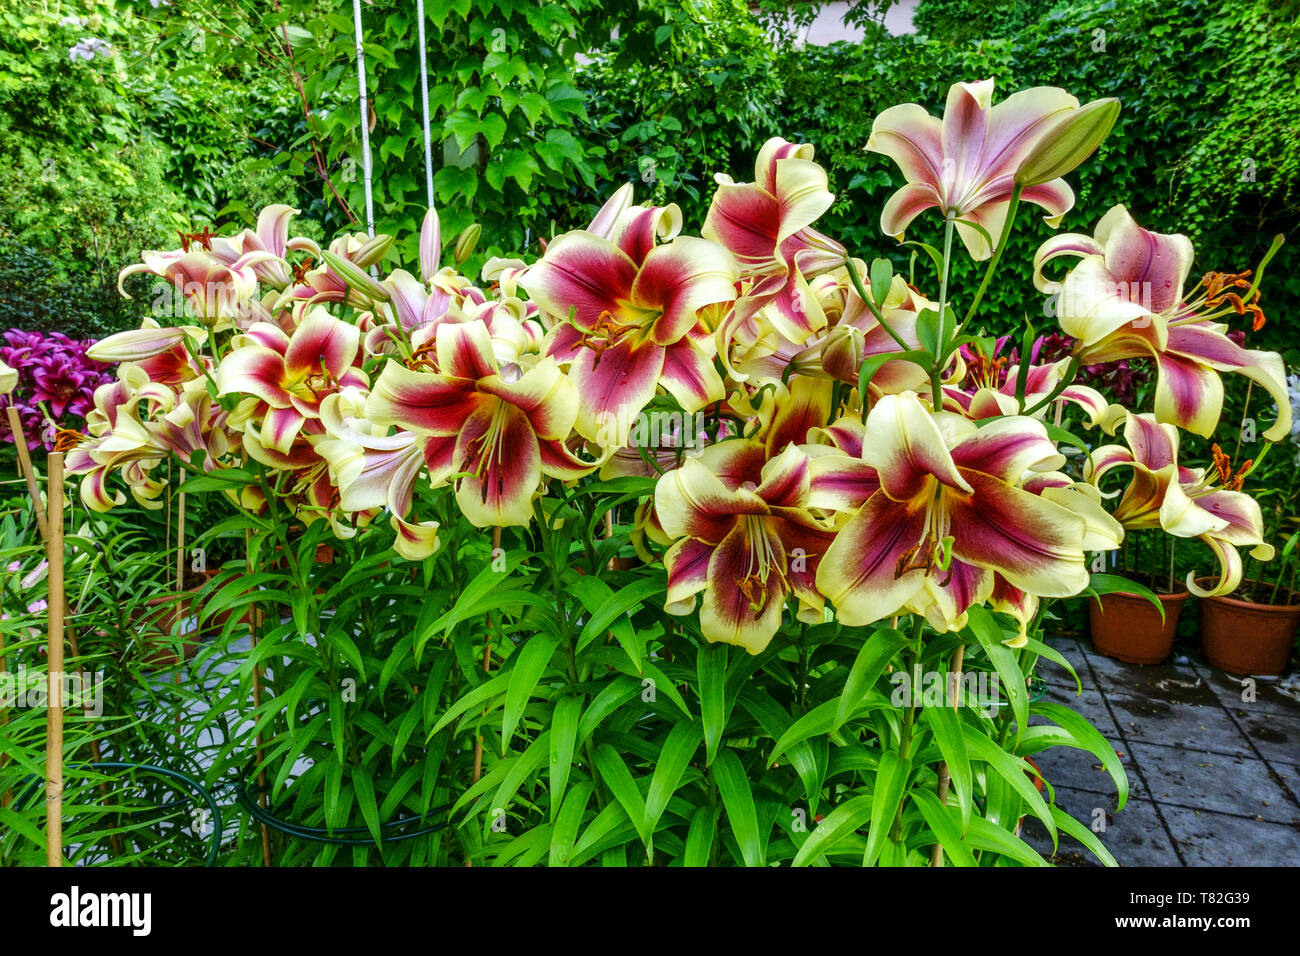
1134 836
1215 782
1196 727
1275 736
1205 838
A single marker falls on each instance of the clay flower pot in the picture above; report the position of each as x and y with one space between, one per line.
1128 628
155 624
1242 637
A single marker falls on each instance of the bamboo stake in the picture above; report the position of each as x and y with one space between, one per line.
609 533
7 797
254 628
945 775
25 467
487 666
54 657
180 596
29 475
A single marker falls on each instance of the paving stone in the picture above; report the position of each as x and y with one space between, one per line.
1089 704
1214 782
1195 727
1172 683
1275 736
1290 775
1072 769
1056 675
1206 838
1134 835
1274 697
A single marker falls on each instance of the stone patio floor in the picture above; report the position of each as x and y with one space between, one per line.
1214 777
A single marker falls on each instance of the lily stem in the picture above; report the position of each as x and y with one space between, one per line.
936 371
997 254
912 656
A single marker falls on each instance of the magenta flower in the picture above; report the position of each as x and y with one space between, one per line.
55 379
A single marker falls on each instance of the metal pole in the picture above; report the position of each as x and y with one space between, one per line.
424 102
365 119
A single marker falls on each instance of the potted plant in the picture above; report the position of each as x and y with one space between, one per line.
1252 630
1131 626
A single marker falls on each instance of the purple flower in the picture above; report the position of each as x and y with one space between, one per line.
53 372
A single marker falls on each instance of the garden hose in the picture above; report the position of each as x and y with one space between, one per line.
189 782
323 835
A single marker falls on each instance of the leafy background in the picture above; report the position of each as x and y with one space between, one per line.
204 112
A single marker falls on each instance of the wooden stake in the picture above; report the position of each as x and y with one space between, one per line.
42 526
7 797
54 657
487 665
945 775
28 473
180 591
254 628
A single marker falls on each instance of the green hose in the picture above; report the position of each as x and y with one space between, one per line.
187 781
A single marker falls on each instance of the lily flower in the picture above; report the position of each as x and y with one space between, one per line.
1125 299
287 376
8 379
636 315
121 440
989 391
949 511
374 470
218 290
494 437
767 226
744 536
1185 502
968 164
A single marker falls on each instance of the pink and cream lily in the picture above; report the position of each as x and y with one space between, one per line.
636 307
216 289
373 469
941 507
1125 299
494 437
968 164
744 536
1185 502
989 391
283 378
767 226
122 439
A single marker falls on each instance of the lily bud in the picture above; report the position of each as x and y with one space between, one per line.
1067 141
372 250
355 276
430 245
466 243
142 343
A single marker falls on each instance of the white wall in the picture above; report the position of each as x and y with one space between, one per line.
830 27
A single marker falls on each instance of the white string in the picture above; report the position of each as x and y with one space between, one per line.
424 101
365 119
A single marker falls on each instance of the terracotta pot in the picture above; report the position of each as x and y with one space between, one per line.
1242 637
155 625
1128 628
